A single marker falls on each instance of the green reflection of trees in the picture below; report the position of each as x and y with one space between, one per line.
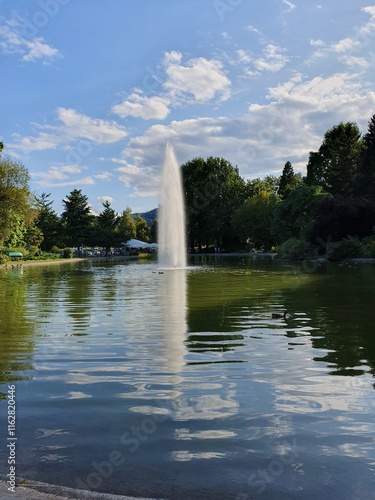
27 297
341 310
16 329
78 290
337 300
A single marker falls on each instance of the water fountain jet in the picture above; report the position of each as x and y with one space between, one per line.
171 216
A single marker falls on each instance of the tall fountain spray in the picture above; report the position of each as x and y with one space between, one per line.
171 216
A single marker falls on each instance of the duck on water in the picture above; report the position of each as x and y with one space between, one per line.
277 315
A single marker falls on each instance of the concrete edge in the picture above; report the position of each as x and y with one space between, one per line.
35 490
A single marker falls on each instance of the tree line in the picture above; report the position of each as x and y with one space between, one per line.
30 224
330 209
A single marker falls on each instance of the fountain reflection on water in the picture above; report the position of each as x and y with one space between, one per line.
171 216
172 256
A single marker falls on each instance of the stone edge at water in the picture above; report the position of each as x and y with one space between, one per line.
34 490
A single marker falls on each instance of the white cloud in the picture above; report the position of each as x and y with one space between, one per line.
290 5
243 56
273 59
348 50
93 129
103 176
264 138
369 27
103 199
344 45
353 61
143 180
60 176
73 127
12 43
317 43
140 106
202 78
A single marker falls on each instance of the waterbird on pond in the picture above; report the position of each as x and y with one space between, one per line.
276 315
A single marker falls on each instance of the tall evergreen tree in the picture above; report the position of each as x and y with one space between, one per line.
287 182
366 174
76 219
106 228
48 222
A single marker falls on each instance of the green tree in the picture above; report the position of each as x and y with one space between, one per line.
213 191
270 184
253 220
106 228
142 230
126 226
366 173
288 180
77 220
48 222
16 210
154 231
34 237
335 165
293 216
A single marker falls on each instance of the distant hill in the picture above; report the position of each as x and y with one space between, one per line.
149 216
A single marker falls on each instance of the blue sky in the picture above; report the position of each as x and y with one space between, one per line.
92 91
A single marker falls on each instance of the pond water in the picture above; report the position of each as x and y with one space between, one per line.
180 384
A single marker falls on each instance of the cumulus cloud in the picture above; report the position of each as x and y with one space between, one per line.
139 106
104 176
273 59
73 126
261 140
62 175
348 50
143 180
201 78
103 199
13 43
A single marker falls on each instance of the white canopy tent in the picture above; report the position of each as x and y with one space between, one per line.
133 243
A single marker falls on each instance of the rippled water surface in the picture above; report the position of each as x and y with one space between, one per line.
180 384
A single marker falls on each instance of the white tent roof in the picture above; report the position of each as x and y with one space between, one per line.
135 244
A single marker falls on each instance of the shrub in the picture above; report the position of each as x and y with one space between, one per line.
67 253
347 248
55 249
4 259
34 252
368 248
147 256
296 249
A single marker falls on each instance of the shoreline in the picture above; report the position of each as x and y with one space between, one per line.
74 260
35 490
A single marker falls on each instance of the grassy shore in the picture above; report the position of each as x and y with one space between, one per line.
29 263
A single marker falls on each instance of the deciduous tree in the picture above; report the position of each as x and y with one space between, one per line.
335 165
213 191
16 212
